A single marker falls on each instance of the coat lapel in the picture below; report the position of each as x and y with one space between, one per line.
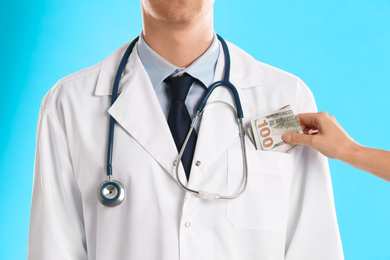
138 111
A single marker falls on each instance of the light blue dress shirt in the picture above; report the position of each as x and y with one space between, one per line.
159 69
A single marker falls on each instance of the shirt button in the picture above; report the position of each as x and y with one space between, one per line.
187 224
197 163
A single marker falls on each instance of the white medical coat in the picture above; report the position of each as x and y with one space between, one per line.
287 211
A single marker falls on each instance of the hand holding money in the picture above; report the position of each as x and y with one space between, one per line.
266 130
322 132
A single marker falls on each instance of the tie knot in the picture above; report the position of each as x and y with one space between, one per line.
179 87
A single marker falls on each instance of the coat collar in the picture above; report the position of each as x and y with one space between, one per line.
108 70
241 67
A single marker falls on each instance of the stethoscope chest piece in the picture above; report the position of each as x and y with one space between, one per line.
110 193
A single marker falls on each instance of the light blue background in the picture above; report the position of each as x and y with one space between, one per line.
339 48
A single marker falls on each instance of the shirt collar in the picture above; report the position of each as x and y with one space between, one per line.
159 69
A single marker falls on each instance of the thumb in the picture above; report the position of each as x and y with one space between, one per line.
296 138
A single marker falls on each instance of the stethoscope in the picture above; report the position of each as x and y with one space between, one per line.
111 192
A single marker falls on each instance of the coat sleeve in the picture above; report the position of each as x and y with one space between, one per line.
312 229
56 223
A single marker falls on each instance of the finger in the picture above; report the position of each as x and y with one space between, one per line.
334 120
311 119
307 119
295 138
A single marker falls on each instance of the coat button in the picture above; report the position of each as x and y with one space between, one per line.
197 163
187 224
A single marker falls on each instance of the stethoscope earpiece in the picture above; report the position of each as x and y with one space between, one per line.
110 193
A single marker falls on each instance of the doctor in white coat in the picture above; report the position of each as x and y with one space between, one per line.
287 211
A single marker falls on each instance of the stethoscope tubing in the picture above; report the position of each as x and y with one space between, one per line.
232 89
114 96
203 194
224 82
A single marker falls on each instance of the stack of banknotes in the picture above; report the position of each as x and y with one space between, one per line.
266 130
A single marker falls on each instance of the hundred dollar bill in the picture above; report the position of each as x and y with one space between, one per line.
267 130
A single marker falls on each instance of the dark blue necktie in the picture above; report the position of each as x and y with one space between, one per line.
179 119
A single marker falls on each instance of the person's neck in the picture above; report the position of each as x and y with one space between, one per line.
179 45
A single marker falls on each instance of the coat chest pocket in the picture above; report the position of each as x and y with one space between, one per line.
264 204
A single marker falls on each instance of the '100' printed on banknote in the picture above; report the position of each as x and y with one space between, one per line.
266 130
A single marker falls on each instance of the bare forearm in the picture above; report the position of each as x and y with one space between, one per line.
374 161
332 141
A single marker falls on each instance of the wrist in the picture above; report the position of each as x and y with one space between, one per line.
350 152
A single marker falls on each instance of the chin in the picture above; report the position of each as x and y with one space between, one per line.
177 11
